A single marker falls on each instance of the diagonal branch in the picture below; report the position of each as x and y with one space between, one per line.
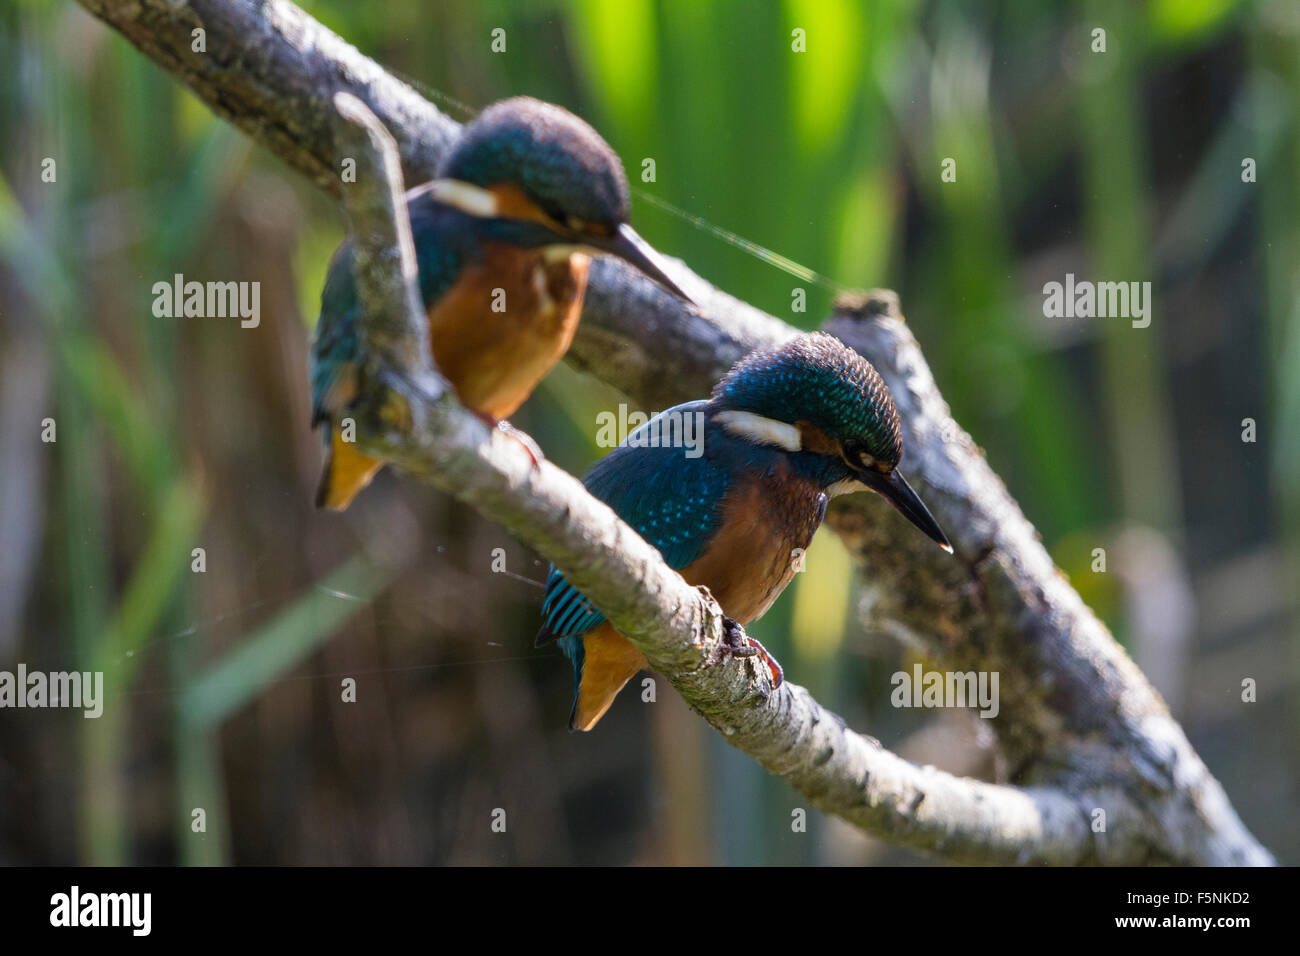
1078 719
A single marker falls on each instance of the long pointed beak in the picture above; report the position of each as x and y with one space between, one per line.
895 489
631 248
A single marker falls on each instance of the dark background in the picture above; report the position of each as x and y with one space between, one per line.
224 687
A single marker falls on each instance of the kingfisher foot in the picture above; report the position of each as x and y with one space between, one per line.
524 439
530 446
736 643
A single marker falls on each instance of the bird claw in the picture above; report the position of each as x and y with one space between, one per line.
524 439
736 643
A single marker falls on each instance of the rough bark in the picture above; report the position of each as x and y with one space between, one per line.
1081 725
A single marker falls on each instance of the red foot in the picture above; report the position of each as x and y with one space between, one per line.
524 439
530 446
739 644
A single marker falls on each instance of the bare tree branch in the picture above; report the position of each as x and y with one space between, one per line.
1078 719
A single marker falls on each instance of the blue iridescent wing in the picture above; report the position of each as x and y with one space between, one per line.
443 243
670 499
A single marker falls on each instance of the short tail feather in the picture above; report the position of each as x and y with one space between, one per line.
346 471
609 661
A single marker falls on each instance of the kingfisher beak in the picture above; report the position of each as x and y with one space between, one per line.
894 488
632 249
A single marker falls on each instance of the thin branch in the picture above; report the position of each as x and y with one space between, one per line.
1078 719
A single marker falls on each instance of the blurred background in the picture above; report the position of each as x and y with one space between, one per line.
224 687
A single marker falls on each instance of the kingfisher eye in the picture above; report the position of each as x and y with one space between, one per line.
855 453
551 210
585 228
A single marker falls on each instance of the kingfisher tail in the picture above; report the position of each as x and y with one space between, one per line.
605 662
345 472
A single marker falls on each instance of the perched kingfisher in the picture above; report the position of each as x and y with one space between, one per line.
785 430
502 239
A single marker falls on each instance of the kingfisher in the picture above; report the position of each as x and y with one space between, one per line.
785 430
503 238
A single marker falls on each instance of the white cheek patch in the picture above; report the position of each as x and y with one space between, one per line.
466 197
760 430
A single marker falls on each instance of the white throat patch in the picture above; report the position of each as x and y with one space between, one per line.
846 486
760 430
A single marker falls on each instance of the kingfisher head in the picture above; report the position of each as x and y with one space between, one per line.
537 176
826 406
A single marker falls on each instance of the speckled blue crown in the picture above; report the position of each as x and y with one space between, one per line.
818 379
557 159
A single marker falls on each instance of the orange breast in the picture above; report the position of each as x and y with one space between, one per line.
754 555
504 324
747 566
